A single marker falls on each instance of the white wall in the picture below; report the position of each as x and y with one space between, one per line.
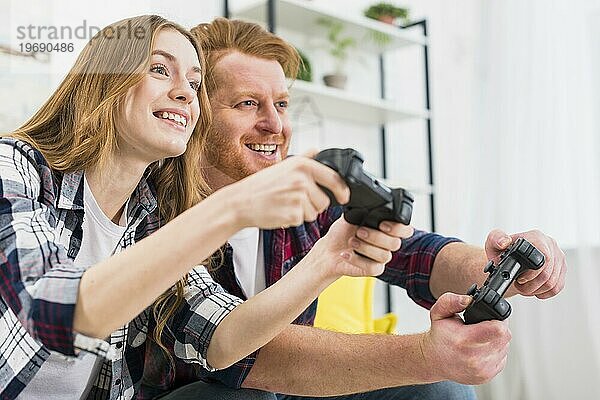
26 84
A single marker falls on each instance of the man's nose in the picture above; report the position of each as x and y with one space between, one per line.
270 121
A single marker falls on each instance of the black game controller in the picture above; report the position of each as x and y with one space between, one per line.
488 303
371 202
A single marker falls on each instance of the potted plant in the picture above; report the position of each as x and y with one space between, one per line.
305 70
387 12
339 45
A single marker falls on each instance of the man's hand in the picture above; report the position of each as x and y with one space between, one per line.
543 283
468 354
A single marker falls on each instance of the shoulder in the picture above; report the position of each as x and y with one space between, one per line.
24 168
21 151
19 154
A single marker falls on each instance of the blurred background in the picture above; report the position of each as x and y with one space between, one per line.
491 119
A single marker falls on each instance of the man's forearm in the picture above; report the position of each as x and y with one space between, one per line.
312 362
457 266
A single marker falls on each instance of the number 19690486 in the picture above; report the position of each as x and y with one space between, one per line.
46 47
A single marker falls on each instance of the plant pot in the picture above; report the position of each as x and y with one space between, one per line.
335 80
388 19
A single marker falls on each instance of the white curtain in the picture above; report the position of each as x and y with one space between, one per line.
515 99
533 160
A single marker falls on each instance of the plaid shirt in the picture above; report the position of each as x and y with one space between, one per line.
409 268
41 212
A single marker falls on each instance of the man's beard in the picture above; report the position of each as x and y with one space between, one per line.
226 156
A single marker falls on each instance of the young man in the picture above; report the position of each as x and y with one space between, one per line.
247 67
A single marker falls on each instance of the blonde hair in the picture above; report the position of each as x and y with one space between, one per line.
76 128
223 36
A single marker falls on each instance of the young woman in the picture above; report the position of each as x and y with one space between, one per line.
87 275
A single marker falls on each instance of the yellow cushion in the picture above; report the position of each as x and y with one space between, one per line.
347 306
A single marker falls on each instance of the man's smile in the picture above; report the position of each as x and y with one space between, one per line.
264 149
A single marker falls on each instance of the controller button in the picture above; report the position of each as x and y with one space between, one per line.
471 291
523 247
536 257
491 297
406 213
502 308
489 267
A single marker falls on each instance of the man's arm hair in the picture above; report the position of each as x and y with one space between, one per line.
457 266
308 361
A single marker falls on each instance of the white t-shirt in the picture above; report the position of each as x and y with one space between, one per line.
62 377
248 260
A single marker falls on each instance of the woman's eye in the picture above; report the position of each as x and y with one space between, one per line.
195 85
159 69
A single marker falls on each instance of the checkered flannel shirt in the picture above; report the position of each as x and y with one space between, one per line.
41 212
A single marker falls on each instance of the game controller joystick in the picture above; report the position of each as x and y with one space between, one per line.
488 303
371 201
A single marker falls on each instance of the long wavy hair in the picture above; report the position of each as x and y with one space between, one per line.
77 126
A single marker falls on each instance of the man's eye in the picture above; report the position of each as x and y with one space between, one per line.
248 103
282 104
159 69
195 85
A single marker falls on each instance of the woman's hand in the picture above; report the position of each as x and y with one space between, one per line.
286 194
353 251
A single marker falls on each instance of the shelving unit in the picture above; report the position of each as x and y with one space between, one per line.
337 103
301 16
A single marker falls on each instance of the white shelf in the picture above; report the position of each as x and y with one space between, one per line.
337 103
301 16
